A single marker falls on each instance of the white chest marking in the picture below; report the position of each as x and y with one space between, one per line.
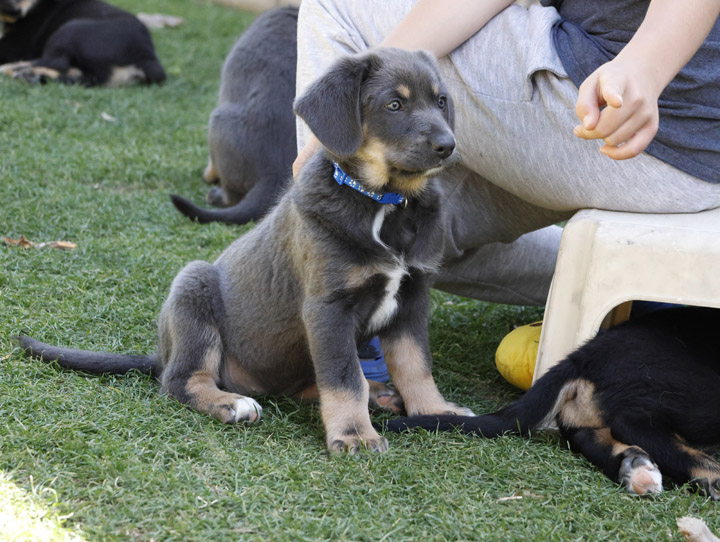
387 307
378 224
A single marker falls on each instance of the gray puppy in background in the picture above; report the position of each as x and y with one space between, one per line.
251 133
347 253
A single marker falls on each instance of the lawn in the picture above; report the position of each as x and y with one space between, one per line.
106 458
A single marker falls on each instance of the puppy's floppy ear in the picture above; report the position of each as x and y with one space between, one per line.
331 105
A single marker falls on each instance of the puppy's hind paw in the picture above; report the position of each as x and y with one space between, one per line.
708 487
235 409
246 410
383 397
639 475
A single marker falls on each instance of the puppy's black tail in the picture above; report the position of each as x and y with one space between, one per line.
537 405
91 362
241 213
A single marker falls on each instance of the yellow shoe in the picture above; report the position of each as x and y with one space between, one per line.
516 355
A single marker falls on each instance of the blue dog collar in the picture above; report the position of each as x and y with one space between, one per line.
389 198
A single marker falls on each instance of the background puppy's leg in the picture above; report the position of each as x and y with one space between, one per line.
407 352
343 390
191 345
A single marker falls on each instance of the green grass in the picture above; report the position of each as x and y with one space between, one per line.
107 458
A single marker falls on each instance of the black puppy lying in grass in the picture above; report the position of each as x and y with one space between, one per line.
639 399
76 41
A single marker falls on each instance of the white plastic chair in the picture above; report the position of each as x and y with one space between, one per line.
608 259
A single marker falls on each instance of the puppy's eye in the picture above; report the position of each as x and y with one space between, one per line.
442 102
395 105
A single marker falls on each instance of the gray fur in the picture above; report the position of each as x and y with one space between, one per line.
284 306
251 133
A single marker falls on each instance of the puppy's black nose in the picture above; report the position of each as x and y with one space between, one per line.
443 145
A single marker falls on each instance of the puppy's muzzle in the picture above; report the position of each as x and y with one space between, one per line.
443 145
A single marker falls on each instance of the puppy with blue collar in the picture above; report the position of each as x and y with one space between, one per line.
347 253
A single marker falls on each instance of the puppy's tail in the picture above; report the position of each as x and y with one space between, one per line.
537 405
241 213
91 362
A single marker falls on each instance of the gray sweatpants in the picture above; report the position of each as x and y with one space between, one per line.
521 169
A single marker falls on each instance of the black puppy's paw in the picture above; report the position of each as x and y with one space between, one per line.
708 487
638 474
29 73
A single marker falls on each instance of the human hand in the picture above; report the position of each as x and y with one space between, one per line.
304 155
618 103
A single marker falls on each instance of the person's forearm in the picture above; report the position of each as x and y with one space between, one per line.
439 26
669 36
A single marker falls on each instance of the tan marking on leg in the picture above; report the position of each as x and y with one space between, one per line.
210 175
412 378
705 466
603 436
47 72
347 422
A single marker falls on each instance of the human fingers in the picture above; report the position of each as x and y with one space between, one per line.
612 121
304 155
588 104
636 144
643 119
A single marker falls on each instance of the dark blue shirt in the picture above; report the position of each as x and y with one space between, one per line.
589 34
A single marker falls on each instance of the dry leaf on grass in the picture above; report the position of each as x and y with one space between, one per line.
158 20
24 242
695 530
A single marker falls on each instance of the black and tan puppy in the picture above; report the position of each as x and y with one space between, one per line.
639 399
282 309
251 133
76 41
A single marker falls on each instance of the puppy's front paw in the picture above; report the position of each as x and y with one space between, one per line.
638 474
351 442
